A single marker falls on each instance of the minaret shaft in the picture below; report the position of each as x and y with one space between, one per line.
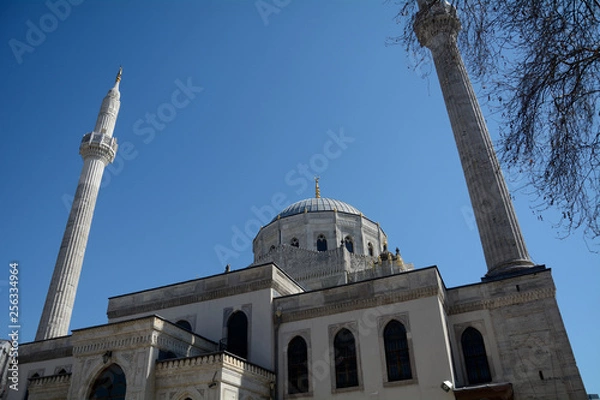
58 308
97 148
504 248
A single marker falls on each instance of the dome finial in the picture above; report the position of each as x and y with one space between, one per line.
317 189
118 78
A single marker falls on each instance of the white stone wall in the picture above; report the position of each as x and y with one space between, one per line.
365 308
208 320
207 303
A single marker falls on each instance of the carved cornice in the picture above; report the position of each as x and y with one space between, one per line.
45 350
160 304
114 343
361 303
504 301
136 334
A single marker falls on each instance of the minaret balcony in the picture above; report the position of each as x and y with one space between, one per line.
99 145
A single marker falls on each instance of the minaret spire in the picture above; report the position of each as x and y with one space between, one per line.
98 148
118 78
437 26
317 189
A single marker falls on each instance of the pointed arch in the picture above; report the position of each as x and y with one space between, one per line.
346 366
476 363
370 249
297 364
349 243
321 243
397 357
237 334
110 384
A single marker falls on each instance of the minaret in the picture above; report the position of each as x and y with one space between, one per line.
317 189
437 27
98 148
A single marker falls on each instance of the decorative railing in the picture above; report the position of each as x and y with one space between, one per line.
51 379
222 358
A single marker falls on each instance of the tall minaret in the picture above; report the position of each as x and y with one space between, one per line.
98 148
437 27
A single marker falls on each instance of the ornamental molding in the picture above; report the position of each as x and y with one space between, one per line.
40 351
98 145
376 300
160 304
62 379
436 24
103 339
504 301
113 343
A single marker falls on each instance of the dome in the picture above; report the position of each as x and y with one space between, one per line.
316 205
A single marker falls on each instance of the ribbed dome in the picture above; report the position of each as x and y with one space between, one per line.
316 205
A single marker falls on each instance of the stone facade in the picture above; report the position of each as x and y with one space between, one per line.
526 345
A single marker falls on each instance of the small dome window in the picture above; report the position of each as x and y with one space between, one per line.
349 243
370 249
294 242
321 243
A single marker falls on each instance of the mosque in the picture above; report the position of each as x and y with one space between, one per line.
325 310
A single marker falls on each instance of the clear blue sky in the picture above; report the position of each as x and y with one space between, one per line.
272 88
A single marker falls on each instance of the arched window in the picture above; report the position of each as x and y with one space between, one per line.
110 384
237 334
182 323
321 243
272 247
346 370
297 366
349 244
294 242
476 363
396 352
370 249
